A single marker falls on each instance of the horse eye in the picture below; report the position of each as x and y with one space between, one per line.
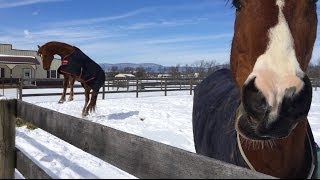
236 4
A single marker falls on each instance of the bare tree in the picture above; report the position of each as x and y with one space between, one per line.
140 72
199 67
175 71
128 70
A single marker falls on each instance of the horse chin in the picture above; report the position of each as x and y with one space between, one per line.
252 130
46 68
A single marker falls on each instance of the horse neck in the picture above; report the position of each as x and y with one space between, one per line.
60 49
281 158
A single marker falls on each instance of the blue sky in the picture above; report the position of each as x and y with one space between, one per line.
166 32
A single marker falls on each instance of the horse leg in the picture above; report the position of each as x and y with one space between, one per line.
87 94
72 79
65 85
93 101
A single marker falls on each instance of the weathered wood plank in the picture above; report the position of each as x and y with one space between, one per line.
28 168
138 156
7 138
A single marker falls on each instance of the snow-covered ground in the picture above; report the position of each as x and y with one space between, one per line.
167 119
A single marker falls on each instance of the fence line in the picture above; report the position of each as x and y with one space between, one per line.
136 155
131 84
139 85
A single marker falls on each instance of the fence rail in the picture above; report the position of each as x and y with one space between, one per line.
127 85
116 85
315 82
136 155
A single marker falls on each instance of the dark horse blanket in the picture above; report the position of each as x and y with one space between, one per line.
80 65
216 100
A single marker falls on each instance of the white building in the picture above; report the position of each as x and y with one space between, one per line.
15 63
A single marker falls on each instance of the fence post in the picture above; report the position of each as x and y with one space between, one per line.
165 87
8 113
128 82
3 86
191 86
108 85
103 90
20 89
118 85
137 88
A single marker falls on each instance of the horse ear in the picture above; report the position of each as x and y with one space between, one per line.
38 46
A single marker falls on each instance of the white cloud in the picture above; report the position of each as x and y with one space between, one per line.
188 39
16 3
145 25
26 33
35 13
97 20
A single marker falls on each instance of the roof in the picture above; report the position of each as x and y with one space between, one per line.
12 59
124 75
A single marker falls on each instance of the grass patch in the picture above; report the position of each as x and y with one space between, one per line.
20 122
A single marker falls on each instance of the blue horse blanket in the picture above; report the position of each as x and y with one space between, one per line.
216 100
80 65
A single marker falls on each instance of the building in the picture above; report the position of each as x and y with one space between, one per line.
26 64
125 75
164 75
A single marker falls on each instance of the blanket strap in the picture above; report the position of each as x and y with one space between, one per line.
252 168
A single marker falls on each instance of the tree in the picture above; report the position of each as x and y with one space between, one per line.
128 70
114 69
200 68
189 70
174 71
140 72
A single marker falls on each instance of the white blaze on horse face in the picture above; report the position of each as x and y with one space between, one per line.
277 69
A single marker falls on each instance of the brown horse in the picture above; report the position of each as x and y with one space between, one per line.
67 80
255 115
75 66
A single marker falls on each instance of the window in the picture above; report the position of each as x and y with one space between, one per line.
26 73
1 72
52 74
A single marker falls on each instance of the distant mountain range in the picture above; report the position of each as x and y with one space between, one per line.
147 66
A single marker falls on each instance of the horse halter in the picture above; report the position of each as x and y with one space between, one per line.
312 166
64 60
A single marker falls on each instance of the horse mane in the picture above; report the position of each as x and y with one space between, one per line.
55 42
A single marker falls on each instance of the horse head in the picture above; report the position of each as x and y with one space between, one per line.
46 57
271 49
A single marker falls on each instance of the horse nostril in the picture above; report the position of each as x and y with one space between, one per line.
254 102
296 104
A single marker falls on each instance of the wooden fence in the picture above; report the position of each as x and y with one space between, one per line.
117 85
136 155
315 82
126 85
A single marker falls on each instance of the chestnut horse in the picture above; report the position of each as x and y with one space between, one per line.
255 115
67 80
75 66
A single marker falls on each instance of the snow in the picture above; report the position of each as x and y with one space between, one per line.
166 119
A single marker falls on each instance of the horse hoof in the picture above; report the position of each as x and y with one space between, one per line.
61 101
70 99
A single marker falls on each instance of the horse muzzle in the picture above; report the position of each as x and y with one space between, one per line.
258 120
46 68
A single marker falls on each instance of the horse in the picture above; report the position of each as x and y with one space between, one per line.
67 80
75 65
254 115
